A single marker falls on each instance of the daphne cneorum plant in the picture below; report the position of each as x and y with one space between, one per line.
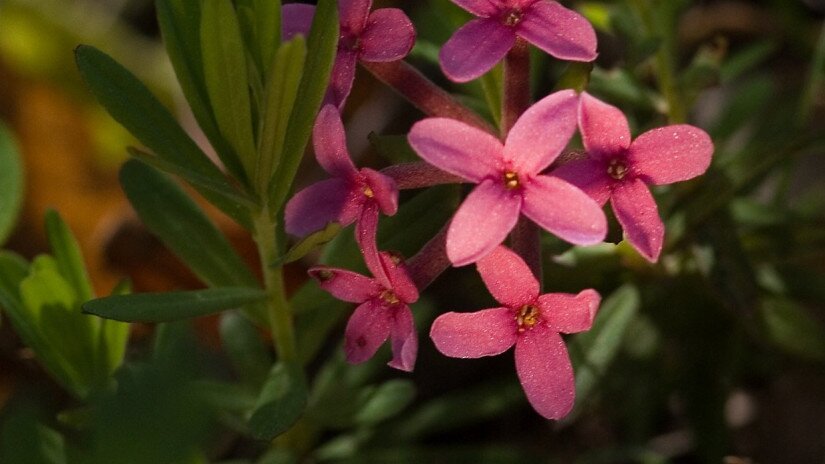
503 172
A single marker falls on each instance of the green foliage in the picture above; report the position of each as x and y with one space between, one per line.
281 403
11 183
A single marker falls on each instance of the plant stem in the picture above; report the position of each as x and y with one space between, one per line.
426 265
419 175
280 314
423 93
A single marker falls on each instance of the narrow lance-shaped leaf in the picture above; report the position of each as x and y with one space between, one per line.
309 243
114 336
789 327
227 82
243 344
267 30
172 306
132 105
179 22
11 183
281 90
68 256
321 47
184 228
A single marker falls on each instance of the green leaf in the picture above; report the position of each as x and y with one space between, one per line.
172 306
309 243
183 227
114 336
594 350
11 183
576 77
282 401
179 22
261 24
322 45
242 343
220 188
227 82
281 90
67 254
789 327
387 401
491 85
133 106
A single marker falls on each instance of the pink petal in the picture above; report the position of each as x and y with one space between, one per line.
312 208
353 15
345 285
367 329
542 132
330 143
404 339
589 175
545 372
472 335
482 8
508 277
457 148
384 191
343 75
366 231
388 36
475 48
296 18
401 282
671 154
568 313
604 128
563 210
483 221
636 211
558 31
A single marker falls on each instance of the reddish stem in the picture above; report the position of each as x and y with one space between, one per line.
423 93
426 265
419 175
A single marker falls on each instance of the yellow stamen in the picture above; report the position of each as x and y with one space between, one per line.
511 180
389 297
527 317
617 169
368 192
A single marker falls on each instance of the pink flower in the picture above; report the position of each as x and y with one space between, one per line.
620 171
529 321
383 311
350 196
480 44
509 179
386 34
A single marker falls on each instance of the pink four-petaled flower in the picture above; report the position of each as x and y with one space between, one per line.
509 178
529 321
386 34
481 43
350 196
383 311
619 170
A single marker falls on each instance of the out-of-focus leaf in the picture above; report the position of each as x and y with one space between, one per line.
598 13
619 87
11 183
282 401
491 86
321 48
475 454
747 59
280 93
309 243
24 440
387 401
179 22
227 82
594 350
172 306
750 98
133 106
242 343
67 254
792 329
576 77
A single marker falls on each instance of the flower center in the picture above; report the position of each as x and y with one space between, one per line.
324 275
512 18
389 297
349 41
511 180
617 169
368 191
527 317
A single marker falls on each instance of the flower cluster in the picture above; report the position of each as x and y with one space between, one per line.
522 175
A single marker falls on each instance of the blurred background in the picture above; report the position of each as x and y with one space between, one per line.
721 360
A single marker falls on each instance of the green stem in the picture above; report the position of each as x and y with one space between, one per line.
280 314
